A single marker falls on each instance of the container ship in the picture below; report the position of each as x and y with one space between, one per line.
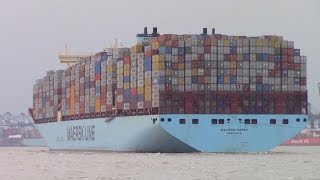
177 93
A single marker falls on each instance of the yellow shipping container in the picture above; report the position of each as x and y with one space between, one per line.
277 44
162 58
181 66
214 42
271 43
194 72
227 79
126 85
233 64
126 72
155 66
148 89
174 37
207 80
109 69
147 81
98 106
147 96
126 66
140 90
224 37
155 58
168 72
136 48
162 65
226 42
155 45
259 42
181 81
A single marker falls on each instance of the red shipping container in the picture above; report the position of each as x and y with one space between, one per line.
285 65
180 58
109 108
297 67
200 57
133 106
133 91
154 52
284 51
278 103
119 105
98 77
147 53
207 49
284 58
188 103
119 91
126 60
303 81
207 41
147 104
233 57
271 58
234 103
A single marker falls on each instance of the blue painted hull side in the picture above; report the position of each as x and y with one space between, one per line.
156 133
33 142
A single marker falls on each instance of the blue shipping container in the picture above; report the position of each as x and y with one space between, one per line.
246 57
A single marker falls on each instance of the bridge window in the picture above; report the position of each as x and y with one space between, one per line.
195 121
162 119
169 119
285 121
214 121
254 121
247 121
182 121
298 120
304 120
221 121
273 121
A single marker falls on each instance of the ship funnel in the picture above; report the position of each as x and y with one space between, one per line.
145 31
205 31
155 31
213 31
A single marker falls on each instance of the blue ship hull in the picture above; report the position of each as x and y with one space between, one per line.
33 142
165 133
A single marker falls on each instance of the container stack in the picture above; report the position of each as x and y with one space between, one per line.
133 76
98 84
103 82
180 74
140 81
147 67
82 88
57 93
111 80
118 55
87 85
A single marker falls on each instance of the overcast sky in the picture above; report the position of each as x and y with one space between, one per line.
34 32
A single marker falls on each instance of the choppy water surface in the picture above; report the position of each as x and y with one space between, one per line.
39 163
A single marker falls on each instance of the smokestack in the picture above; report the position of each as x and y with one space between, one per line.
205 31
155 31
213 31
145 31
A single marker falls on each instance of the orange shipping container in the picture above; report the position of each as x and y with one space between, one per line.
140 90
98 105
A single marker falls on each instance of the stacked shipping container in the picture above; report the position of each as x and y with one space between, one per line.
176 74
